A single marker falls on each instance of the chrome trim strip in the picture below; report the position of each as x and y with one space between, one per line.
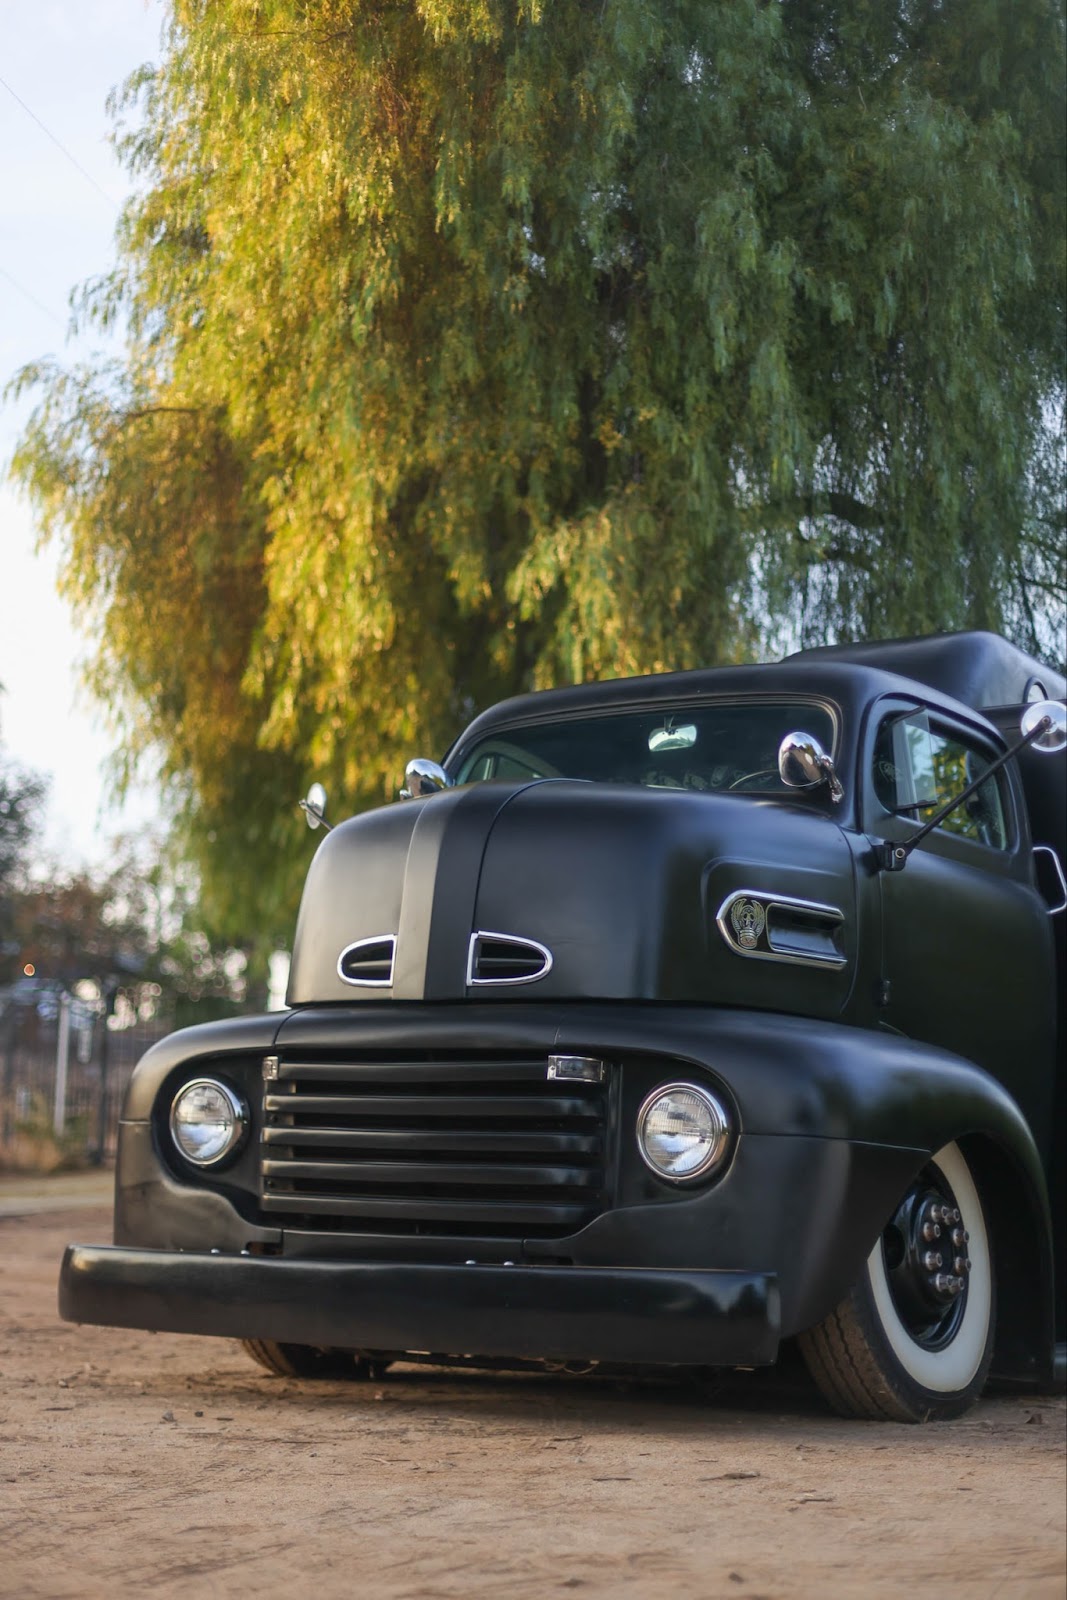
768 900
360 944
509 938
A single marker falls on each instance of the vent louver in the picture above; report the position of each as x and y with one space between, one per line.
369 962
502 958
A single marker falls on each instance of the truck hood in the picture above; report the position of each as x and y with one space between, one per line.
564 890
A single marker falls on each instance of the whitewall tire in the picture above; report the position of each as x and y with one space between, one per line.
913 1338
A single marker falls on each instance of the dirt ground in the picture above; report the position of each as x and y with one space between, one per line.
135 1463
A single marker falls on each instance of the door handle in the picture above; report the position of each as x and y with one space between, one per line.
1047 849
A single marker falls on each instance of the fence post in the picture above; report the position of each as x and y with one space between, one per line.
59 1109
9 1070
111 990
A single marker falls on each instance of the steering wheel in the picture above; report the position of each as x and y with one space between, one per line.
751 777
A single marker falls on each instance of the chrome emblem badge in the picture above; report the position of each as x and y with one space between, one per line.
748 918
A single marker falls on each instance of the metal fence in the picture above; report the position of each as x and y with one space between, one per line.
64 1067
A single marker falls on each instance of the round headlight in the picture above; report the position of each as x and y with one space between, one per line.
207 1121
682 1132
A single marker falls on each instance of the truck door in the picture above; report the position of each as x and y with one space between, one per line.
967 952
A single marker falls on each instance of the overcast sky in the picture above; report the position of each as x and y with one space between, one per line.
60 58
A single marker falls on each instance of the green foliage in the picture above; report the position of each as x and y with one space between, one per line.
22 795
483 344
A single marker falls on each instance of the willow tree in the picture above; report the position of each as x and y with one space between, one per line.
483 344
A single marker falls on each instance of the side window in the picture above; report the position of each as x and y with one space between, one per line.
918 767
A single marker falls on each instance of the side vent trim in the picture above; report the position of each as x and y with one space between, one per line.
765 926
504 958
368 964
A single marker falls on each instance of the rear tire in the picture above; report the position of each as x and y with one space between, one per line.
904 1345
309 1361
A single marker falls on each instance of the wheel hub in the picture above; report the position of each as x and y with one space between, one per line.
927 1264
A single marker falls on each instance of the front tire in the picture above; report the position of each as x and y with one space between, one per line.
912 1340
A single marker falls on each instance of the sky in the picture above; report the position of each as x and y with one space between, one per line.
60 59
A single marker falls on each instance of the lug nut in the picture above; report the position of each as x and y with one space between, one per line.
959 1264
932 1259
967 1263
943 1284
958 1237
955 1216
931 1231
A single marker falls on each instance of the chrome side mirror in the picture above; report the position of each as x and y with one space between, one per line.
804 764
424 777
1054 735
314 807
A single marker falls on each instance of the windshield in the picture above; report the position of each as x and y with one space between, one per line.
706 747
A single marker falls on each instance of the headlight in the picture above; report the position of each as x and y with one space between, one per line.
682 1132
207 1121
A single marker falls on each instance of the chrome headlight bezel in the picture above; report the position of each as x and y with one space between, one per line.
240 1122
719 1133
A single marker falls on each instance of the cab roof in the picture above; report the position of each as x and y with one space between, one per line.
817 675
978 669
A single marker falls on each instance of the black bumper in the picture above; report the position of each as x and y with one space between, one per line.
671 1317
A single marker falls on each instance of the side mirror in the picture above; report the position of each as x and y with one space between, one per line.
1054 736
804 764
314 807
424 777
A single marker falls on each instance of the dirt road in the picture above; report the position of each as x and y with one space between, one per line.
133 1464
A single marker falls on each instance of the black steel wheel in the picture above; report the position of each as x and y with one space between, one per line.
309 1361
913 1338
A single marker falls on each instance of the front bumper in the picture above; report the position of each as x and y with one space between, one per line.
629 1316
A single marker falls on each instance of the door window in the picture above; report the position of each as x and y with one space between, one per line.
918 767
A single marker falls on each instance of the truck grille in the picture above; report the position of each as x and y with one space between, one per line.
434 1146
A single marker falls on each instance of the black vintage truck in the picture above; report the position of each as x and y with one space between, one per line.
669 1019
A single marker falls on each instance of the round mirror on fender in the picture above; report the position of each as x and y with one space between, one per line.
424 777
1054 736
314 807
804 764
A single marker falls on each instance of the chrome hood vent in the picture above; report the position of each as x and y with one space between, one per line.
503 958
369 962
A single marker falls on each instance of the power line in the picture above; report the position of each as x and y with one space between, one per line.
60 145
32 298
